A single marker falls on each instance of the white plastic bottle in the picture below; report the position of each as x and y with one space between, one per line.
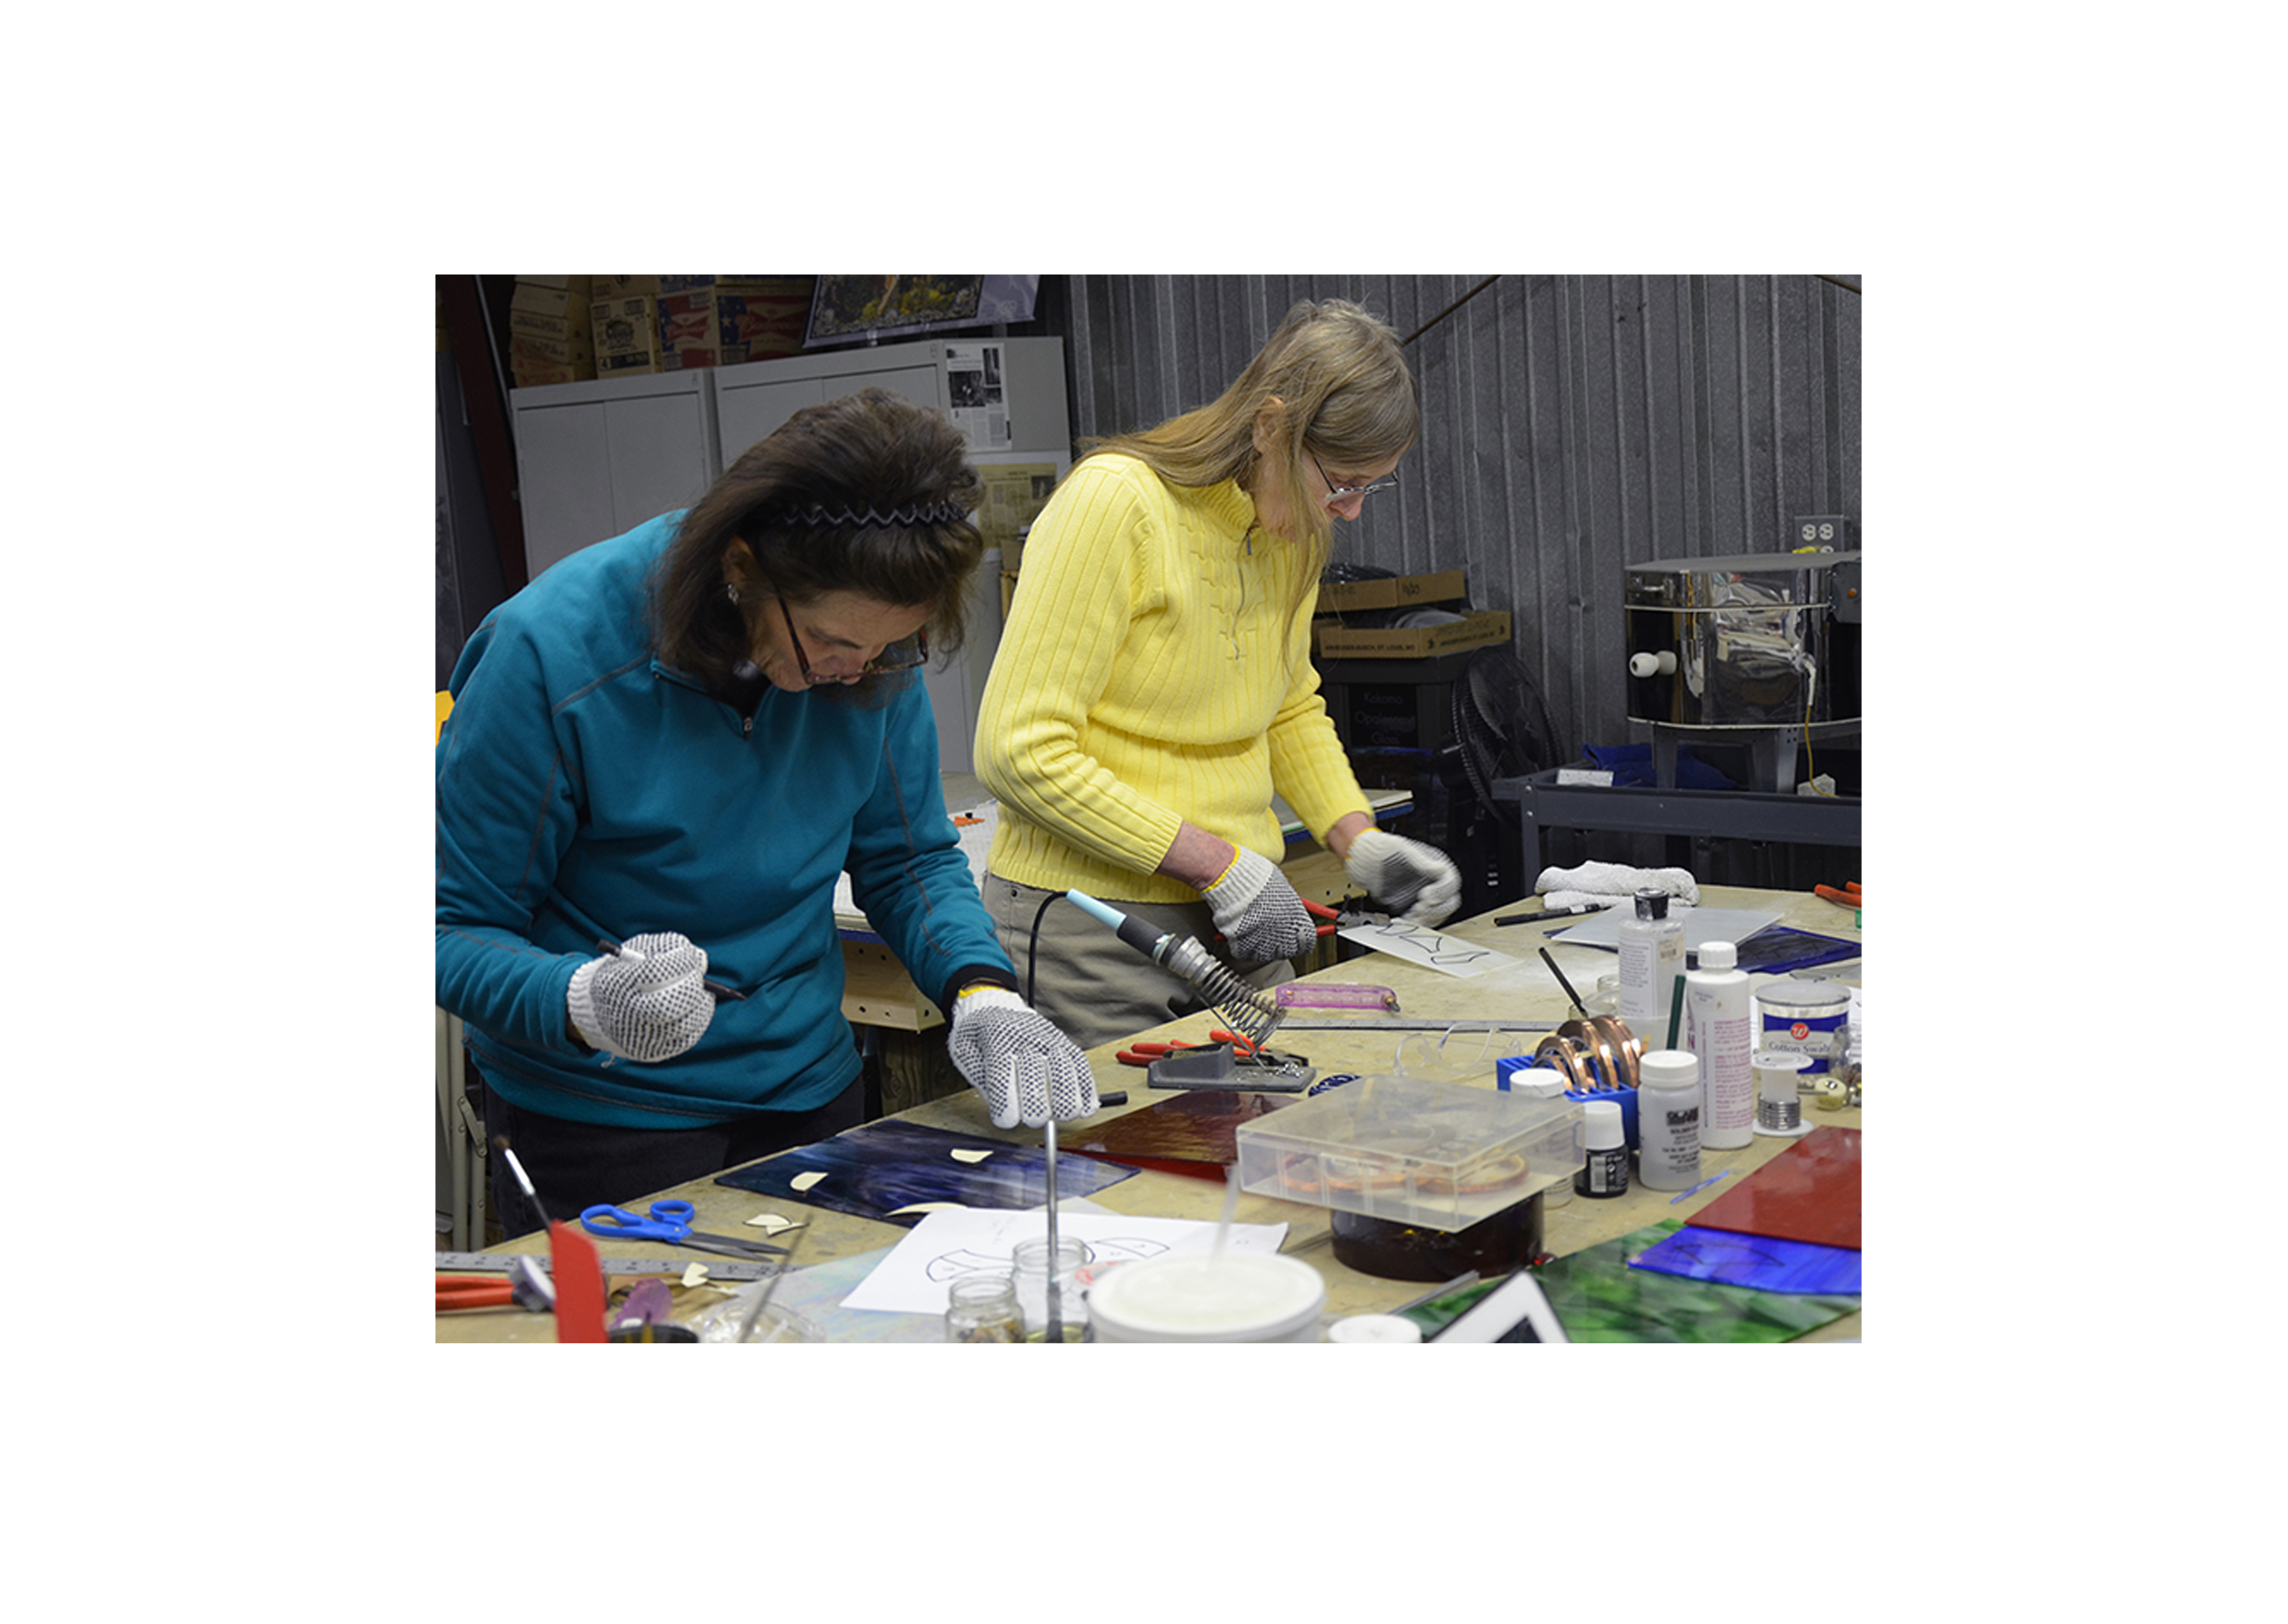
1668 1120
1718 1022
1652 957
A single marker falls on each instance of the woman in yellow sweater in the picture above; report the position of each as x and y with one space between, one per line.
1154 685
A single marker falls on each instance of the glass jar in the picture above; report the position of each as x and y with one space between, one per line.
983 1307
1033 1275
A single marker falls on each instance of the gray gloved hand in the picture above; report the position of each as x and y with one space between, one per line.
1413 881
1257 911
1026 1070
649 1003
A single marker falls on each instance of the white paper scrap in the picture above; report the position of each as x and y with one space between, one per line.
913 1277
971 1156
801 1182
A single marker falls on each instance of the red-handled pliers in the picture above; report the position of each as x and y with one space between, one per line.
1341 918
1144 1054
1848 897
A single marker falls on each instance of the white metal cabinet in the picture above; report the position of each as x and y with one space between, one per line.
594 459
755 398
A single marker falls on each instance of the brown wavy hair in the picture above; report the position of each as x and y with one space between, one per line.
872 453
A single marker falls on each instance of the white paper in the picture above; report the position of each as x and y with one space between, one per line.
976 382
1431 950
913 1277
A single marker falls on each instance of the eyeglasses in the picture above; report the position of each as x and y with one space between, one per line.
899 656
1344 493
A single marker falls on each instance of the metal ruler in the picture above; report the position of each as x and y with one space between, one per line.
718 1268
1413 1023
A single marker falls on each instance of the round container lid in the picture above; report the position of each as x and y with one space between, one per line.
1669 1068
1239 1297
1374 1328
1604 1122
1788 993
1719 955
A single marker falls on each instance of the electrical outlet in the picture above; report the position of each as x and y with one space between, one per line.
1822 530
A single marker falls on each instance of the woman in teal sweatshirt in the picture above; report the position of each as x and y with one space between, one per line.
671 744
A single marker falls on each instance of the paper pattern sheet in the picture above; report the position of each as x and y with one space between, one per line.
964 1240
1420 945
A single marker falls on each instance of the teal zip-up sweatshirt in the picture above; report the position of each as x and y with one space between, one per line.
586 791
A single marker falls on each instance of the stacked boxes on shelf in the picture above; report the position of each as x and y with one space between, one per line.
1333 637
689 335
761 318
673 323
549 338
1391 688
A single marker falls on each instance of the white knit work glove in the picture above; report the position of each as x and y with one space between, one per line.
649 1003
1413 881
1026 1069
1257 911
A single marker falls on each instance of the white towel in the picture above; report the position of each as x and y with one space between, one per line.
1605 884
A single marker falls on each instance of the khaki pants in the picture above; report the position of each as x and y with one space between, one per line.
1090 986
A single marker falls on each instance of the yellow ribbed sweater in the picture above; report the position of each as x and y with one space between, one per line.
1149 675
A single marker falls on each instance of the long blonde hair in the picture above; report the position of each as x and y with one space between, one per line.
1343 395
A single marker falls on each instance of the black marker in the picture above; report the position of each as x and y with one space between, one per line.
1551 913
716 988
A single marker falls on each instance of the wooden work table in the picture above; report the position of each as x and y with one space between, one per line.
1524 990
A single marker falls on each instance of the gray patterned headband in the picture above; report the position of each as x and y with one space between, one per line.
916 513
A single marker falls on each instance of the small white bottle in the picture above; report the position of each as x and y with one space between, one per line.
1668 1120
1605 1173
1652 957
1718 1025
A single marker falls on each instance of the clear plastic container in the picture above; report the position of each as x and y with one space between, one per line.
1442 1156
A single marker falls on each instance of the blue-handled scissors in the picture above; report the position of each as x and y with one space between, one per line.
670 1221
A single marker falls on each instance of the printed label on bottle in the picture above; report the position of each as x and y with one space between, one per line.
1669 1139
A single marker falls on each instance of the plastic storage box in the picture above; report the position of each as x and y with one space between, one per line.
1441 1155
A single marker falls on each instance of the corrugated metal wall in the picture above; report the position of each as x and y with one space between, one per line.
1574 425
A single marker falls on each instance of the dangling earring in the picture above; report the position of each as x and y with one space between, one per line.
732 590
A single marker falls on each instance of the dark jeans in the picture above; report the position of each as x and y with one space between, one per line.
577 1164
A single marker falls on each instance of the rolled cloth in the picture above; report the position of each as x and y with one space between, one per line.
1604 884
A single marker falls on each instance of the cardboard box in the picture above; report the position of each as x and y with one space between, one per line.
626 335
1332 641
600 288
564 298
1393 592
687 332
760 318
570 360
